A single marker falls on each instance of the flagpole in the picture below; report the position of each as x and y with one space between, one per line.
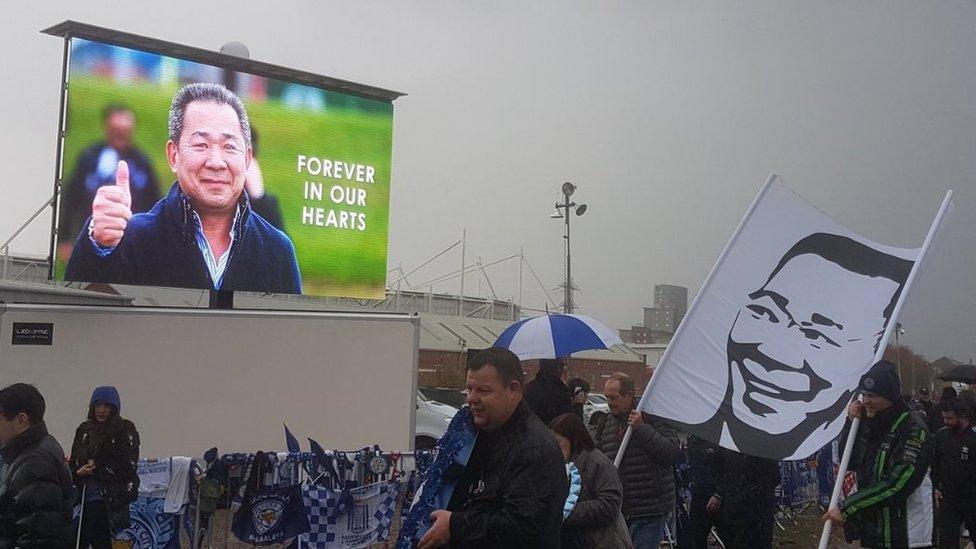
694 302
892 323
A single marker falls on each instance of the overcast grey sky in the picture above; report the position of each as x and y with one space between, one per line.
667 115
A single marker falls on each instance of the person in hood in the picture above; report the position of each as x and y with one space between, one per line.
35 485
103 459
892 506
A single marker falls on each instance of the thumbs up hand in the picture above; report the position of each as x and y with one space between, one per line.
112 209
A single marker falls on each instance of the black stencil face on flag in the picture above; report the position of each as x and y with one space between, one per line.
792 314
787 345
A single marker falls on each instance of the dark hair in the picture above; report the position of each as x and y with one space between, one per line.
958 407
113 108
254 141
578 384
22 398
626 382
111 416
209 93
855 257
505 362
949 393
571 427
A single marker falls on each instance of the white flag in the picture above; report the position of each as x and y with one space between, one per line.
791 316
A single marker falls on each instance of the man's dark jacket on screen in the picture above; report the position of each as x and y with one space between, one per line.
159 248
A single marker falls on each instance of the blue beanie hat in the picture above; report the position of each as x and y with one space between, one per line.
882 379
107 394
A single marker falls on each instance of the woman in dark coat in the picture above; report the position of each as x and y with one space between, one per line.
103 461
595 521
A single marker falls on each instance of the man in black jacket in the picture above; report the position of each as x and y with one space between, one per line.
954 474
36 493
647 469
744 499
513 488
204 233
547 395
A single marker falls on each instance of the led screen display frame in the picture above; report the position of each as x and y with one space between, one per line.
315 220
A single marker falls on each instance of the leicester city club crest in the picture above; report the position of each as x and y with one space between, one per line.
266 515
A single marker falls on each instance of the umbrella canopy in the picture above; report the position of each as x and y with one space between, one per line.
964 373
555 336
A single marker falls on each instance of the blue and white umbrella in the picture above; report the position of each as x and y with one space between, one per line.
555 336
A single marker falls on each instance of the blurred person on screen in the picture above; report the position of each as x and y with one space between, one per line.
204 232
96 168
263 203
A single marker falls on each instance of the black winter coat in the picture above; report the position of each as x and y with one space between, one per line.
36 495
746 485
114 446
647 470
954 466
513 488
548 397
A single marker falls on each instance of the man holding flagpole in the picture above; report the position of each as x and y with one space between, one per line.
647 469
892 506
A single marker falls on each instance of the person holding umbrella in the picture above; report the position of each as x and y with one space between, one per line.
103 460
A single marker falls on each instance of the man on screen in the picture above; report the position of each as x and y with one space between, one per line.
203 233
96 168
792 347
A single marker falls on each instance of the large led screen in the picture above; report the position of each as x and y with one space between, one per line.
177 173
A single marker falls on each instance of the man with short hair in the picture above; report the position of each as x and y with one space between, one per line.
892 506
647 469
513 488
934 415
36 494
954 473
203 233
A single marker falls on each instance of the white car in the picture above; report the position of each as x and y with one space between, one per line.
432 420
596 406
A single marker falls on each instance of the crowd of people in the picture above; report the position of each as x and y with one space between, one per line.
899 447
40 488
538 476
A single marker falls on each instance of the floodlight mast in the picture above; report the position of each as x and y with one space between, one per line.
563 211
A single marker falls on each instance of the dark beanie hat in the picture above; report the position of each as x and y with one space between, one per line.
107 394
882 380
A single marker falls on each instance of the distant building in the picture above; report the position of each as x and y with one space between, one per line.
675 298
661 320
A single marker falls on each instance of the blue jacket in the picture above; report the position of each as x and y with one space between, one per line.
160 249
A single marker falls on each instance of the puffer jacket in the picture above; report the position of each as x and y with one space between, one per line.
114 447
892 506
647 470
36 493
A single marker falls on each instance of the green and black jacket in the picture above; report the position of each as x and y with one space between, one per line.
893 503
